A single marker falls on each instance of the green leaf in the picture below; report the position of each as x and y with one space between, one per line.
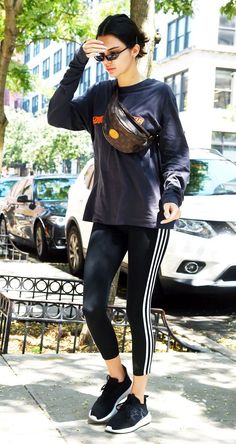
229 9
19 78
182 7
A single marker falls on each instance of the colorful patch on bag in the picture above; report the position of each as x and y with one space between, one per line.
98 120
114 134
139 119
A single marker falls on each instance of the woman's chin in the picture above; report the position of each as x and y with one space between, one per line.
112 72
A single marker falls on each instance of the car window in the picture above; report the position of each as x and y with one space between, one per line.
53 189
211 177
6 186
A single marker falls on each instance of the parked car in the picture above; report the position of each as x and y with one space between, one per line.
201 251
34 212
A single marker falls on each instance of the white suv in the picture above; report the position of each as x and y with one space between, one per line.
201 251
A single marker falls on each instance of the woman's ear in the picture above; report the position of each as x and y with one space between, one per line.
135 50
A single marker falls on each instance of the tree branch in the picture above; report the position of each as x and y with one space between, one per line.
18 6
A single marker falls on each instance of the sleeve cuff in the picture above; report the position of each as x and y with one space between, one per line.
80 56
171 197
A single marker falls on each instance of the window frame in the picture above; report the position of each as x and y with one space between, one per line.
44 101
222 28
46 68
26 105
36 49
175 41
27 54
230 91
182 102
70 50
57 61
35 70
35 104
85 81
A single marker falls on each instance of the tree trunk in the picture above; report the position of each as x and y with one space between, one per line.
143 14
7 46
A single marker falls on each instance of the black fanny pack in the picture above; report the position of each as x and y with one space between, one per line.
121 129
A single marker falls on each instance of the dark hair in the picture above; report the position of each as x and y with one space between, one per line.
125 29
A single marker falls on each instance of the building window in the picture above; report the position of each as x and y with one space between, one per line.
46 68
27 54
155 52
179 85
36 48
17 103
46 43
26 105
85 81
35 104
35 70
223 88
101 73
227 31
57 61
178 37
70 50
44 101
225 143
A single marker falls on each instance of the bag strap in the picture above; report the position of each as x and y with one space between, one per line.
132 119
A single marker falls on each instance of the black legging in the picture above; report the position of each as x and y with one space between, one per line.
107 247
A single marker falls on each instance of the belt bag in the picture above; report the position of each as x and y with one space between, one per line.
121 129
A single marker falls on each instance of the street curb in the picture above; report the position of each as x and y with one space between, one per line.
204 342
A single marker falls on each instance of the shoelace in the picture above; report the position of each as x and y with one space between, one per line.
108 384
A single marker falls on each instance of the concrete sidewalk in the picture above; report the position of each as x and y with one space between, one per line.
46 398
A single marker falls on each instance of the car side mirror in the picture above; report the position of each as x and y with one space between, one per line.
23 198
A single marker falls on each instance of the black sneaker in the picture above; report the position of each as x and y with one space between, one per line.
113 392
131 416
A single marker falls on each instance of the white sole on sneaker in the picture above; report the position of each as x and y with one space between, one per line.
93 418
144 421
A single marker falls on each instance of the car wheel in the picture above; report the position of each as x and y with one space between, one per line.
75 252
40 242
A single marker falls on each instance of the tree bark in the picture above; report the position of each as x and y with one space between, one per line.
7 46
143 14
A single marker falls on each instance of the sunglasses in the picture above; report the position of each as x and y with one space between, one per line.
113 56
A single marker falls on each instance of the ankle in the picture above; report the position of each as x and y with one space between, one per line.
139 396
119 375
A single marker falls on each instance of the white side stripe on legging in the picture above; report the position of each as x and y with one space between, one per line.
159 250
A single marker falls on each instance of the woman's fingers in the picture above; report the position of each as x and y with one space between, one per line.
171 212
92 47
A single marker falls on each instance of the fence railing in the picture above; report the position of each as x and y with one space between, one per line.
57 303
9 251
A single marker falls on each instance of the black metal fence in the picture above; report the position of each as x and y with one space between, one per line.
9 251
56 304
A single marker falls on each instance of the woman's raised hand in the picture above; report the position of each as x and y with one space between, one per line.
92 47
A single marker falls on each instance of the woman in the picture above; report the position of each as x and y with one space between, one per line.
133 205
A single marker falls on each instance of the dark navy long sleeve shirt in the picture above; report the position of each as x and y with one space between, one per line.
129 189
